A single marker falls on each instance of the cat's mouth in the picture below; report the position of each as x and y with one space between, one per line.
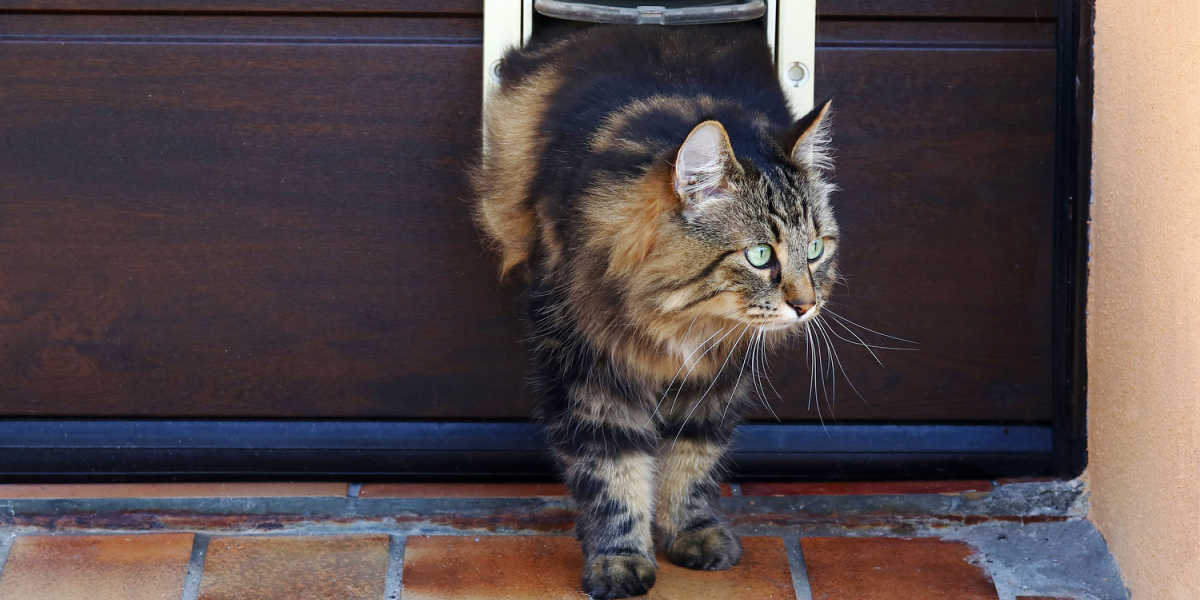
788 320
807 315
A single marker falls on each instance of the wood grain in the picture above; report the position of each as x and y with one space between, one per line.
234 29
245 230
879 34
412 7
942 9
939 9
945 159
266 226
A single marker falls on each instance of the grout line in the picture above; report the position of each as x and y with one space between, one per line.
191 584
353 490
6 543
799 572
393 585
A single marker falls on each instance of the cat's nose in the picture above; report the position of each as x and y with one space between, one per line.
801 306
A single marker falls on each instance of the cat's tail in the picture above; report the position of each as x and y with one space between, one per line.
505 210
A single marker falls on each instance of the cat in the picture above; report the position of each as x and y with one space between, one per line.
671 221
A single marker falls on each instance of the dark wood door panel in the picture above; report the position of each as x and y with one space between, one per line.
939 9
194 227
888 9
945 160
409 7
268 230
914 34
232 230
231 29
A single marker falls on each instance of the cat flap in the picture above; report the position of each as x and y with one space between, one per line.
700 166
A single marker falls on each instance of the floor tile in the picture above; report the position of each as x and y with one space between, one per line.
461 490
96 567
171 490
548 568
893 569
858 488
295 567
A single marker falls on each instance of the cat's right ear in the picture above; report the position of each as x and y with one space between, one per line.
701 167
809 138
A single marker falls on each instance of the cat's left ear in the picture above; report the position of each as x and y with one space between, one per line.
701 166
809 139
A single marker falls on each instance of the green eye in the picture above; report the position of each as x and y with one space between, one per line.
759 255
816 248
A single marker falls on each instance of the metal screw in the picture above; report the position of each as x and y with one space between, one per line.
797 73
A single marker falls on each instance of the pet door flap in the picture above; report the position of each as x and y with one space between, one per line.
664 13
789 26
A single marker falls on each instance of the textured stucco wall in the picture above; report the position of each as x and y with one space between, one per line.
1144 294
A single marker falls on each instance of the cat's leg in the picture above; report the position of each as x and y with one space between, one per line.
687 519
607 450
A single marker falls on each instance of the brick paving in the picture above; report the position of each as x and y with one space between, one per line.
408 540
526 567
96 567
893 569
346 567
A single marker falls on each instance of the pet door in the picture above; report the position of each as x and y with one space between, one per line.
789 26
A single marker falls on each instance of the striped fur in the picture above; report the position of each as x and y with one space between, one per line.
626 173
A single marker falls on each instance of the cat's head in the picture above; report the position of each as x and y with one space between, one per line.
752 241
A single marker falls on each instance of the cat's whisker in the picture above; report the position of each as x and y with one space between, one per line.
762 342
758 359
808 350
864 344
715 379
860 341
812 384
755 366
755 370
823 389
831 401
689 327
767 372
814 370
728 403
821 370
681 367
697 363
843 318
824 328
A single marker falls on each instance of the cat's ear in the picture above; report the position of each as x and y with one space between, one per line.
809 139
701 166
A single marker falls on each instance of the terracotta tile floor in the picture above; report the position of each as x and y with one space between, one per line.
352 567
412 547
467 568
269 567
96 567
893 569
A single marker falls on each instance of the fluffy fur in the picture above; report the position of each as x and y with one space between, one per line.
625 175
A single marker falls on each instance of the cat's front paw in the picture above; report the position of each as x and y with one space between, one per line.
712 548
618 576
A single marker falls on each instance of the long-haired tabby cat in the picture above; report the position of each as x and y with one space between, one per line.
672 221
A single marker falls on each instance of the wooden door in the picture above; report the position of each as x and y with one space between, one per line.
241 209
